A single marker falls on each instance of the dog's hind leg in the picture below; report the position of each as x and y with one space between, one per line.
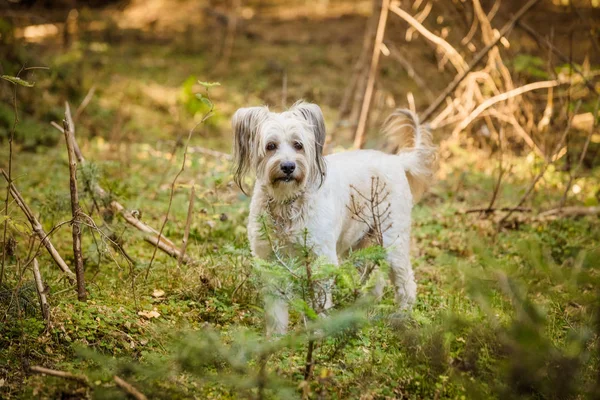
401 272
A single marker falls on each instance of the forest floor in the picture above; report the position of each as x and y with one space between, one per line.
502 311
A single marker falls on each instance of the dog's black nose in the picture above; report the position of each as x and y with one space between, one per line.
288 167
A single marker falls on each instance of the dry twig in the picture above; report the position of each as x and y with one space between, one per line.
41 290
75 210
60 374
129 389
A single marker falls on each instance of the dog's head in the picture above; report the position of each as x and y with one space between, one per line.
284 149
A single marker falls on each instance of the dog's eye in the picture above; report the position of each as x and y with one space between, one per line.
298 146
271 146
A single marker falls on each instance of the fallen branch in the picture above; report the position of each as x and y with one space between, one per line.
502 97
575 211
494 210
129 389
38 229
476 60
75 210
41 290
60 374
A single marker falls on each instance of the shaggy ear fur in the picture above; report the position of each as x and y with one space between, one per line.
246 123
314 116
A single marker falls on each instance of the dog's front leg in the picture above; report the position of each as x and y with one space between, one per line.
276 307
325 296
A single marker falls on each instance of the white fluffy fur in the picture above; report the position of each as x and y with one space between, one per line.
318 196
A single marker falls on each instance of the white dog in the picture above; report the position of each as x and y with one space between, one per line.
300 189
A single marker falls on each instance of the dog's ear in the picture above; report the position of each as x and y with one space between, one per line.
246 123
314 116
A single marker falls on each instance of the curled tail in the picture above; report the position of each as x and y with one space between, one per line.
413 142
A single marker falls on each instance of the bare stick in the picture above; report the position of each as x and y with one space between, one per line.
476 60
75 211
41 290
37 228
60 374
72 126
129 389
188 223
362 121
455 58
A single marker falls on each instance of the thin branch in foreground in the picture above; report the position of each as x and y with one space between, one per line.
60 374
37 228
129 389
75 210
41 290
